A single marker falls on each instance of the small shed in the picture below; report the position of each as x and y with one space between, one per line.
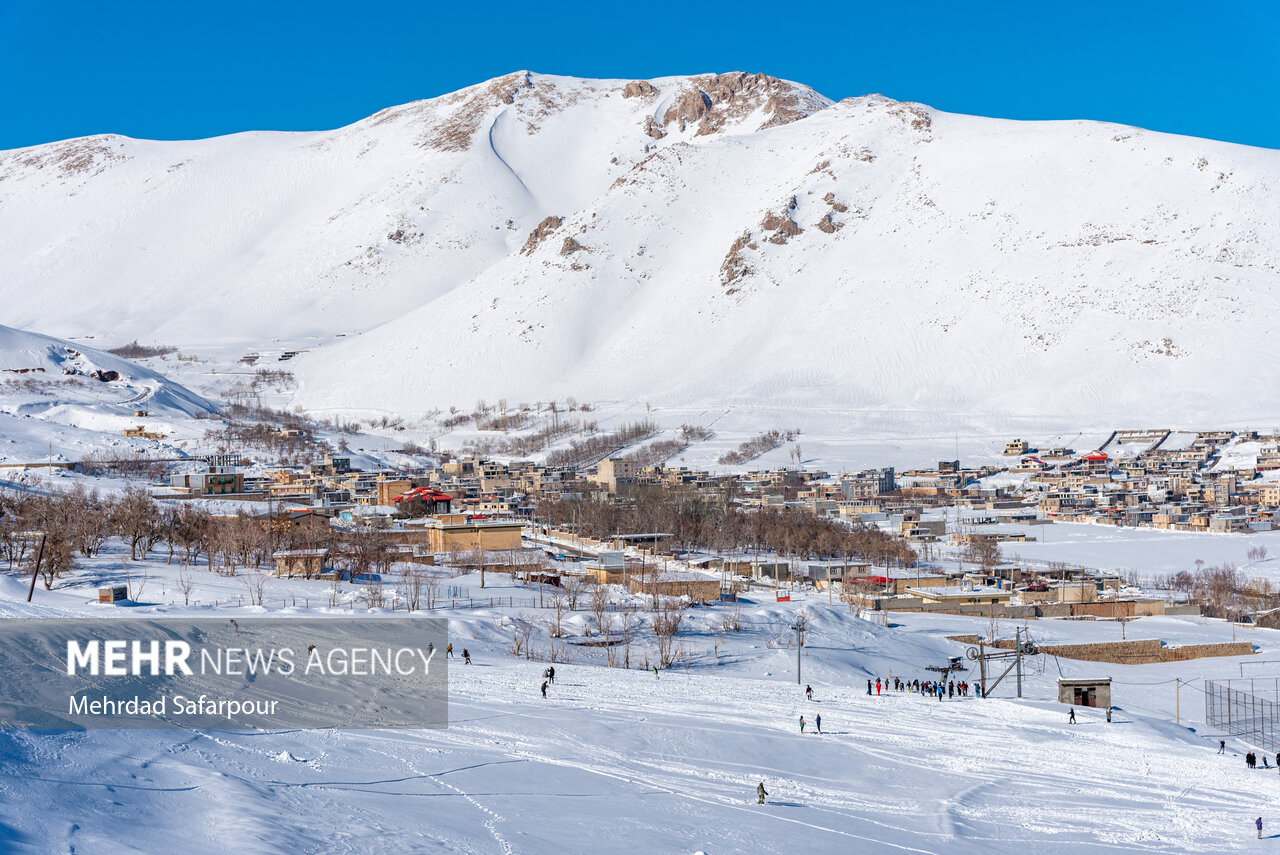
300 562
1085 693
112 594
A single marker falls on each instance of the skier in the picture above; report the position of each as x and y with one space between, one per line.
544 688
802 724
868 686
466 656
449 651
1071 719
877 687
951 689
818 723
1222 747
940 693
808 692
760 794
655 672
551 674
1258 823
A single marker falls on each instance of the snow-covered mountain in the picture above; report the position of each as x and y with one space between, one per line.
708 240
55 373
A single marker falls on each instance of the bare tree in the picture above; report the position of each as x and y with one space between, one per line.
256 585
137 519
573 585
521 631
559 602
666 623
411 587
186 585
600 604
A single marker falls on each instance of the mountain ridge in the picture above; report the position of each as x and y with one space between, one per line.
705 239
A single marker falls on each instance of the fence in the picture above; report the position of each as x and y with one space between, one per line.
1254 719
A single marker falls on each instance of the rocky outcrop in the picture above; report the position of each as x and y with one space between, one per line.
718 99
456 131
639 89
690 107
570 246
735 267
828 224
782 225
540 233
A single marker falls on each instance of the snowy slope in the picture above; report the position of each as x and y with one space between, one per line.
60 372
617 760
61 400
711 240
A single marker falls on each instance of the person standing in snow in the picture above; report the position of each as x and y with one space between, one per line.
817 721
466 656
877 687
1222 747
760 794
544 688
808 692
551 675
951 688
1258 822
868 686
1071 718
655 672
802 724
449 651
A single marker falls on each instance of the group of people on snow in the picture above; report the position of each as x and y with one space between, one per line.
932 688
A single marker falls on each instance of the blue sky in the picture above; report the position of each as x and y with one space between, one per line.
185 69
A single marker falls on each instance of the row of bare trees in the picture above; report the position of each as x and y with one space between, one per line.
81 522
1221 591
696 521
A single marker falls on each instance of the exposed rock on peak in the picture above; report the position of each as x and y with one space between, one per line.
540 233
717 99
639 89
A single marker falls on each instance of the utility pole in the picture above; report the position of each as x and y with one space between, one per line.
982 669
1177 700
35 571
799 628
1018 642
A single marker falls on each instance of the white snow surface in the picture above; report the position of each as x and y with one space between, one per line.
619 761
977 273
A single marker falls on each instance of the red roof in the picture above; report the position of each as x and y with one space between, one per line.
1096 456
424 494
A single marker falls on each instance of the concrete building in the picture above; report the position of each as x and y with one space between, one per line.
1085 693
217 481
614 471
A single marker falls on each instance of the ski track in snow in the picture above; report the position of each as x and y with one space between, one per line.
618 761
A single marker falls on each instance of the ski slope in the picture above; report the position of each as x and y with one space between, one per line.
618 761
